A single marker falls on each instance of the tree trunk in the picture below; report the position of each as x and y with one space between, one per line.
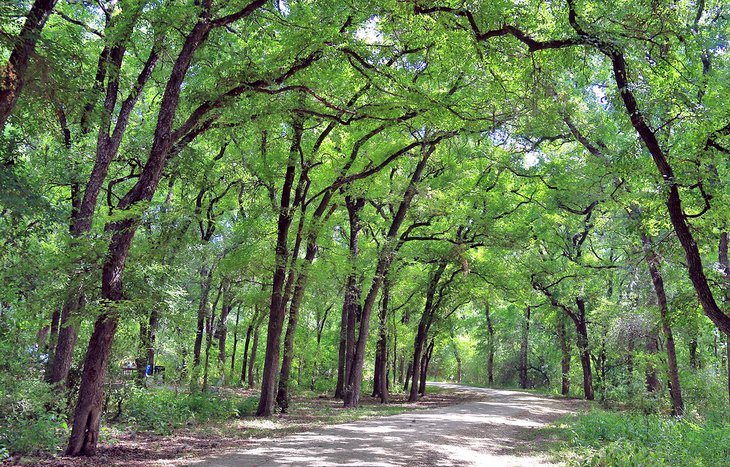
51 342
282 394
585 356
524 383
252 359
424 368
235 340
652 348
423 326
209 328
380 386
725 264
223 332
277 305
244 365
85 429
13 73
107 146
675 390
67 336
351 303
409 372
416 363
674 201
385 257
490 347
341 358
565 360
206 278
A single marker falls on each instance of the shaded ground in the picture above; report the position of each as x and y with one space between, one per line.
126 448
500 429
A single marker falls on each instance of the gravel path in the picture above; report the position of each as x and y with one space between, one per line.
497 431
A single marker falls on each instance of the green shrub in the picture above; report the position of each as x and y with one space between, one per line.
163 410
603 438
247 406
30 420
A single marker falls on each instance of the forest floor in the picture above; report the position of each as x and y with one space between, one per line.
453 425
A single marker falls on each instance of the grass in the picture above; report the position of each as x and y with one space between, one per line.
603 438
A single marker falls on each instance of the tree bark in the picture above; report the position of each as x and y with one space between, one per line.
490 346
585 356
423 326
206 279
565 360
13 73
409 372
252 359
85 431
244 365
581 328
675 390
674 201
223 332
209 332
524 383
380 385
725 265
351 303
424 369
235 340
277 305
66 340
385 257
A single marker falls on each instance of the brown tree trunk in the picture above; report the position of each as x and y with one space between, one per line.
351 303
244 365
210 326
380 385
423 327
13 73
385 257
282 394
108 141
424 368
206 279
223 332
490 347
674 201
407 378
67 336
565 352
51 342
235 340
675 390
652 348
585 356
252 359
278 304
85 429
524 383
725 264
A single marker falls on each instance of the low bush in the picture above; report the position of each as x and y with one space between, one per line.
163 410
601 438
30 419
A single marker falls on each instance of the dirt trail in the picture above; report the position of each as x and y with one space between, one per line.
497 431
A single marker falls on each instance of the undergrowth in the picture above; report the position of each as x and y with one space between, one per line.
603 438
